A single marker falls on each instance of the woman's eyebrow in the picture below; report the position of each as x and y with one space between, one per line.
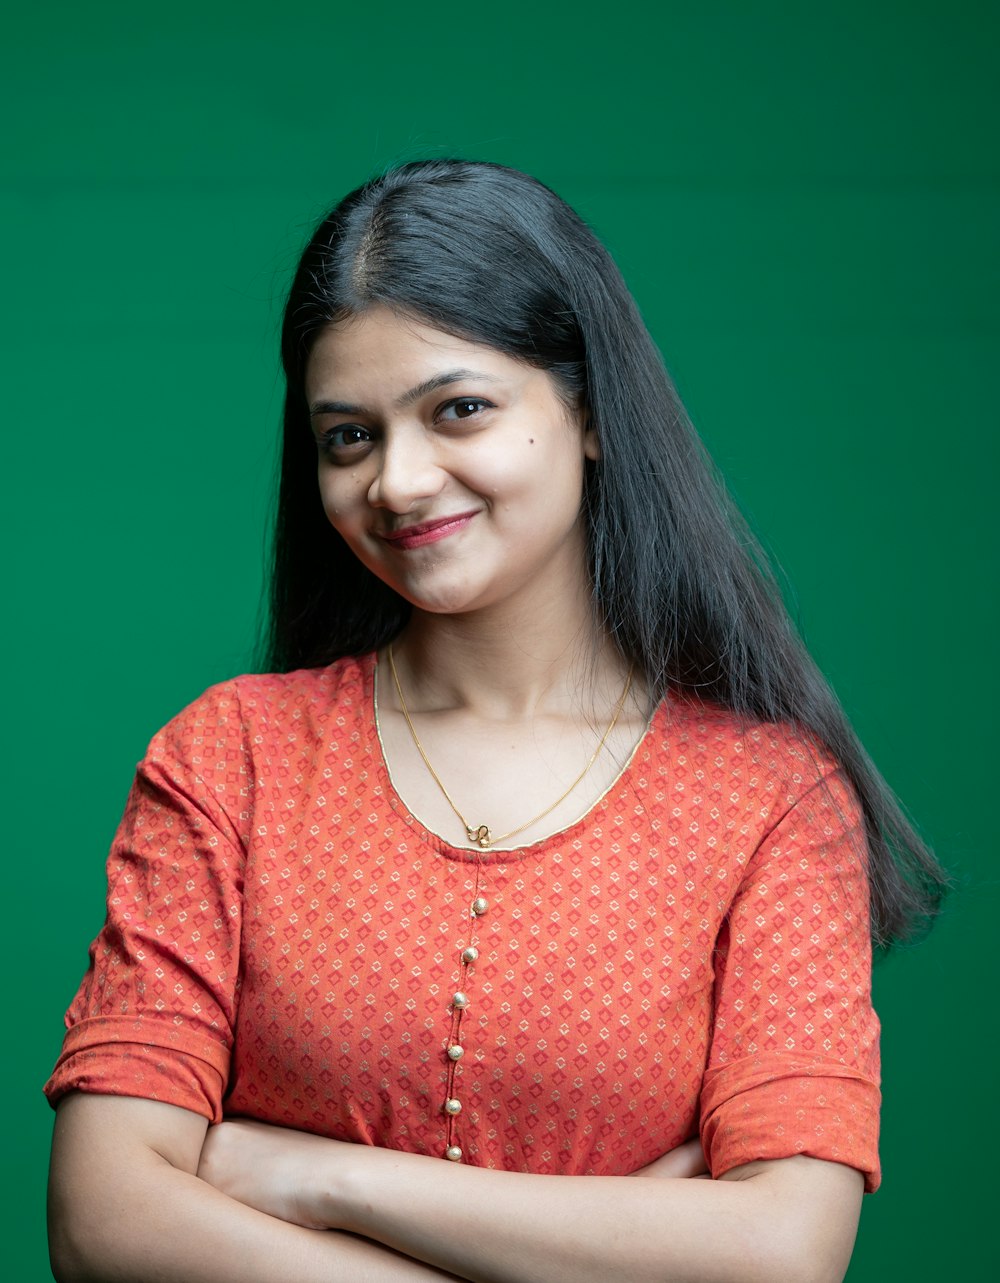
440 381
413 394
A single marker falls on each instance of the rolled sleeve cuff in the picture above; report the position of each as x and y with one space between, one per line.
149 1057
768 1108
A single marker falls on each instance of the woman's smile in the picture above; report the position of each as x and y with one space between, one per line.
425 532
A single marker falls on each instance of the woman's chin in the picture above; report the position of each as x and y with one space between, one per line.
445 599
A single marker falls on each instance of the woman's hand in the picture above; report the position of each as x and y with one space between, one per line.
120 1161
295 1175
686 1160
288 1174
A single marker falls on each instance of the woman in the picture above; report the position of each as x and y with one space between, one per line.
543 851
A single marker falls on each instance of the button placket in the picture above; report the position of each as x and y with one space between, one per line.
455 1048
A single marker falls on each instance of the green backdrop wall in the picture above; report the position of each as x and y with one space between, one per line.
803 199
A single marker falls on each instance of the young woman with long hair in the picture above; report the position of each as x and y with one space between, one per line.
540 851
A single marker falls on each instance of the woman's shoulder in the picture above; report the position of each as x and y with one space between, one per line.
752 774
344 682
762 755
264 706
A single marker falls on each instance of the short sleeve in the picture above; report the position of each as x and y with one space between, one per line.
155 1013
793 1065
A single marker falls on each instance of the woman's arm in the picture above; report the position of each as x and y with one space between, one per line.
790 1219
125 1206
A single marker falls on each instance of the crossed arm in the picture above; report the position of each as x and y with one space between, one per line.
146 1192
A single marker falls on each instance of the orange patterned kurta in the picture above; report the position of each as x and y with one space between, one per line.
284 941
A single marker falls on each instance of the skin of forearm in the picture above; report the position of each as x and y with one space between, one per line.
502 1227
180 1230
184 1232
120 1212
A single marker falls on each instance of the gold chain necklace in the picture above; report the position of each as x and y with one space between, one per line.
480 833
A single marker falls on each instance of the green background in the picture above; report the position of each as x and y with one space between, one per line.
804 200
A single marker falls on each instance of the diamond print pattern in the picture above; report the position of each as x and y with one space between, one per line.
284 940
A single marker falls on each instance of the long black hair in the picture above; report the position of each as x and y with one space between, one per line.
491 255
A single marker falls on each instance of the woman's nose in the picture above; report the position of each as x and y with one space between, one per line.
408 472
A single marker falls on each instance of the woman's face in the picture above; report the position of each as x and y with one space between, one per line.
454 472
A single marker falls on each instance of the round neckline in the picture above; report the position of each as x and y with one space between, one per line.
503 855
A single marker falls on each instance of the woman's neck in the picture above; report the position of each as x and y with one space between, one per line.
506 666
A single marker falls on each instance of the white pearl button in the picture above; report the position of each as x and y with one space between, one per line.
452 1106
454 1152
455 1052
460 1000
470 954
479 905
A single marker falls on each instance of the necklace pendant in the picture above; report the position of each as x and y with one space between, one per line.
479 834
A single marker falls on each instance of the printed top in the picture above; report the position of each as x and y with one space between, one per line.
286 942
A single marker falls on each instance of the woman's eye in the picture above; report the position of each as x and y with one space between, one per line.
462 407
343 438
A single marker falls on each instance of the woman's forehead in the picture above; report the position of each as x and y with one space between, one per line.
389 352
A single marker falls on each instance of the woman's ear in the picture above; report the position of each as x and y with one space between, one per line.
591 444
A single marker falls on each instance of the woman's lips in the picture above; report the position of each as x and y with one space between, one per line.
426 532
